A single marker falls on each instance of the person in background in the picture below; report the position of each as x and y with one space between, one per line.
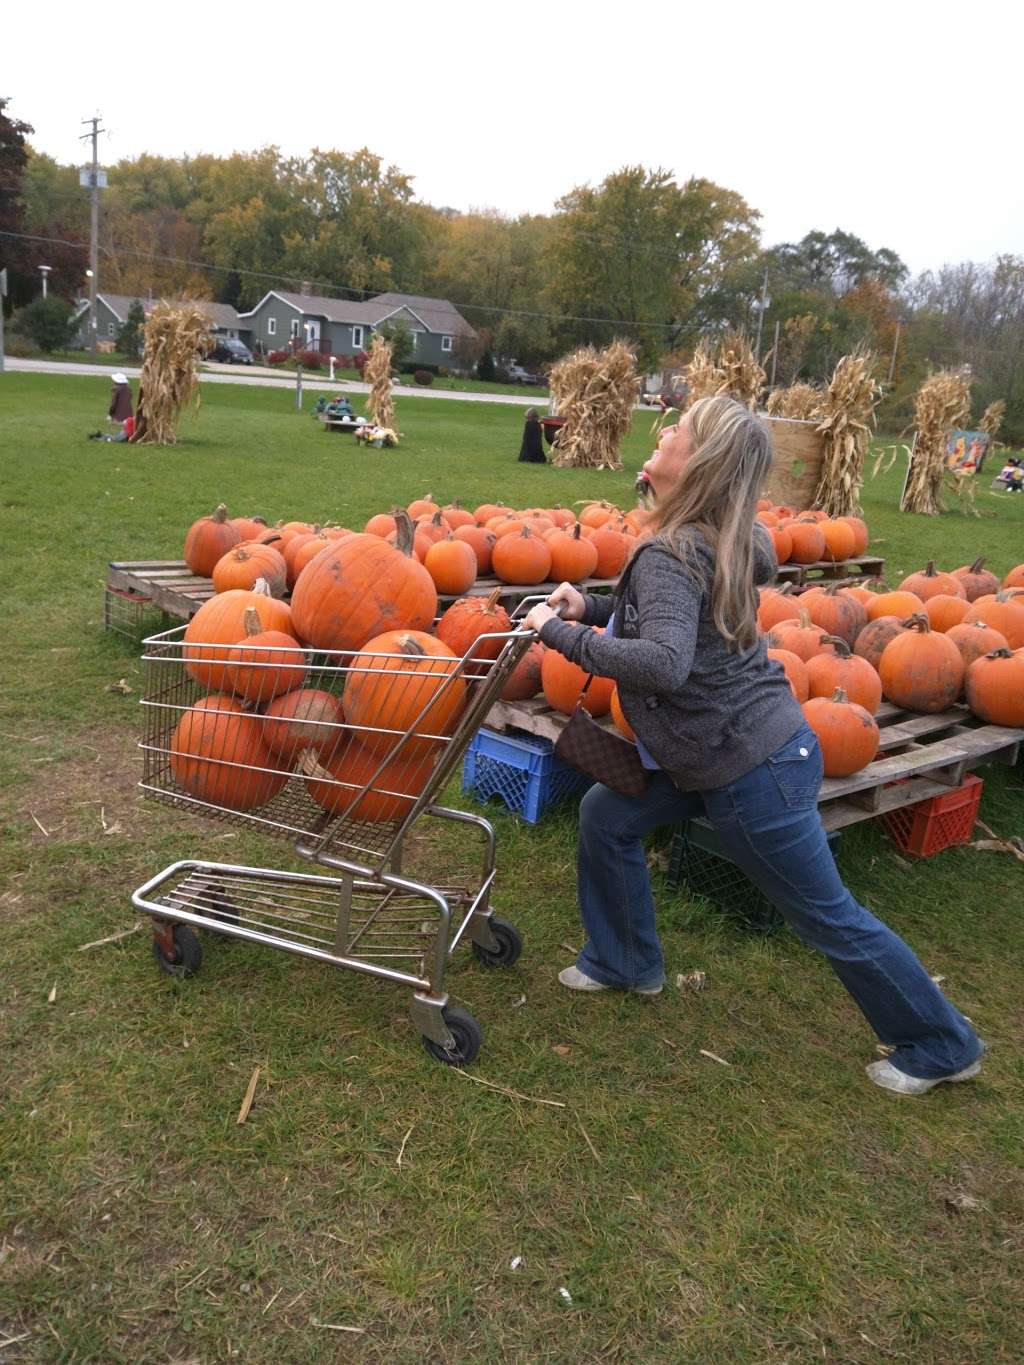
120 409
532 449
722 735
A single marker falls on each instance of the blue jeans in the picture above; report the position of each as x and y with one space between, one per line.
769 826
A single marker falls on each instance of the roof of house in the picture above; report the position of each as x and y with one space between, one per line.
436 315
219 314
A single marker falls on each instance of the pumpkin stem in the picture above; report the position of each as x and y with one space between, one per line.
260 521
839 644
404 532
918 622
251 621
526 532
805 618
1001 653
437 519
929 569
262 587
240 553
219 513
408 645
577 531
840 695
492 601
978 565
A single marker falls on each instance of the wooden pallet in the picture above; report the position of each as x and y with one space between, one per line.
919 755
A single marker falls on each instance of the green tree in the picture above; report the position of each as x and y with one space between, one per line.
398 332
130 334
46 322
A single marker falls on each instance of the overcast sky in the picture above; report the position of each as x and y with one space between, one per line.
900 122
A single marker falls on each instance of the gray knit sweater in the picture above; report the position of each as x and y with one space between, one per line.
707 713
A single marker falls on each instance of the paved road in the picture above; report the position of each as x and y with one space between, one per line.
232 374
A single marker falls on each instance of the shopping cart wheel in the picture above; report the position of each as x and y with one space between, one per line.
510 945
188 953
466 1034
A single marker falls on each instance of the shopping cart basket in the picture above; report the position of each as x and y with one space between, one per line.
340 755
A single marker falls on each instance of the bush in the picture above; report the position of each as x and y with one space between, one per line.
359 360
310 360
277 357
131 333
47 322
423 377
485 367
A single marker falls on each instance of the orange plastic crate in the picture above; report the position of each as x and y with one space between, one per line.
928 827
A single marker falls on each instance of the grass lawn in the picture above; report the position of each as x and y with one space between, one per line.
776 1208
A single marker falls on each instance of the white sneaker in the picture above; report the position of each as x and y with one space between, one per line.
579 981
889 1077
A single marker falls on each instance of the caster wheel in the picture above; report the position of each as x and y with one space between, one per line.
188 953
466 1035
510 945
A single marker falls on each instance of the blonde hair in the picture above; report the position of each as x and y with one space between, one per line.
717 496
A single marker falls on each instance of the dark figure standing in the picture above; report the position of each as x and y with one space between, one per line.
532 449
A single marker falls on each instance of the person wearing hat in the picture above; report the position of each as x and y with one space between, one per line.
120 409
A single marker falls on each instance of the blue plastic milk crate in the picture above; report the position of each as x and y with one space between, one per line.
522 770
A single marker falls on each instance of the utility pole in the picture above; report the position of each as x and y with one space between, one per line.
44 270
775 354
92 178
760 314
3 295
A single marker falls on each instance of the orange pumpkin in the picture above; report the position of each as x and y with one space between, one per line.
859 527
873 639
487 510
452 565
1003 613
1015 578
521 559
423 507
799 635
619 718
218 754
836 612
929 582
572 557
840 540
469 618
976 580
848 735
265 663
208 540
856 677
795 670
995 688
562 682
974 638
561 516
220 623
339 779
382 524
595 514
524 680
921 669
404 680
900 604
782 540
244 564
456 515
776 605
612 548
359 586
249 528
808 542
302 550
306 718
944 610
482 543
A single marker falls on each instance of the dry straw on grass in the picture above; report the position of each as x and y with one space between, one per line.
377 373
846 420
703 377
800 402
943 401
742 376
992 418
594 391
176 335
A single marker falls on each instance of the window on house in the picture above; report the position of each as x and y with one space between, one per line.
357 337
110 329
271 327
415 336
446 343
294 328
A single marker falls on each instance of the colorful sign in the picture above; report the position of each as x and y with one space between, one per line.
966 450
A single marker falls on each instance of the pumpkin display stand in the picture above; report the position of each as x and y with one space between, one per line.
340 754
798 451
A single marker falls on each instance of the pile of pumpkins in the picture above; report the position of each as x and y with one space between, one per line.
937 639
812 537
369 602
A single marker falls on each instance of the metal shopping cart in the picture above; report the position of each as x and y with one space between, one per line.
341 755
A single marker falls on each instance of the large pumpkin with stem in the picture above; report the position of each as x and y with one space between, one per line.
524 681
921 669
795 670
337 783
974 638
404 680
306 718
995 688
799 635
244 564
873 639
209 539
218 755
360 586
776 605
847 733
835 612
562 681
1004 613
1015 578
522 558
929 582
840 540
976 580
265 663
856 677
573 557
808 541
452 565
220 623
468 619
482 543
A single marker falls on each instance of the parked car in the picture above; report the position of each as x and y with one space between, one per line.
230 351
511 372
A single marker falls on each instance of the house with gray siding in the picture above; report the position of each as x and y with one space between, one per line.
112 313
284 321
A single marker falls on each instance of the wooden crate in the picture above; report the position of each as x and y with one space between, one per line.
798 452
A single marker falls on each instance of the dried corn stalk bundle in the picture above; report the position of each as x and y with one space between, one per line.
742 376
175 337
703 377
943 401
992 418
800 402
594 391
377 373
846 420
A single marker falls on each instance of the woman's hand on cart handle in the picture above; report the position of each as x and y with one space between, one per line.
565 602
